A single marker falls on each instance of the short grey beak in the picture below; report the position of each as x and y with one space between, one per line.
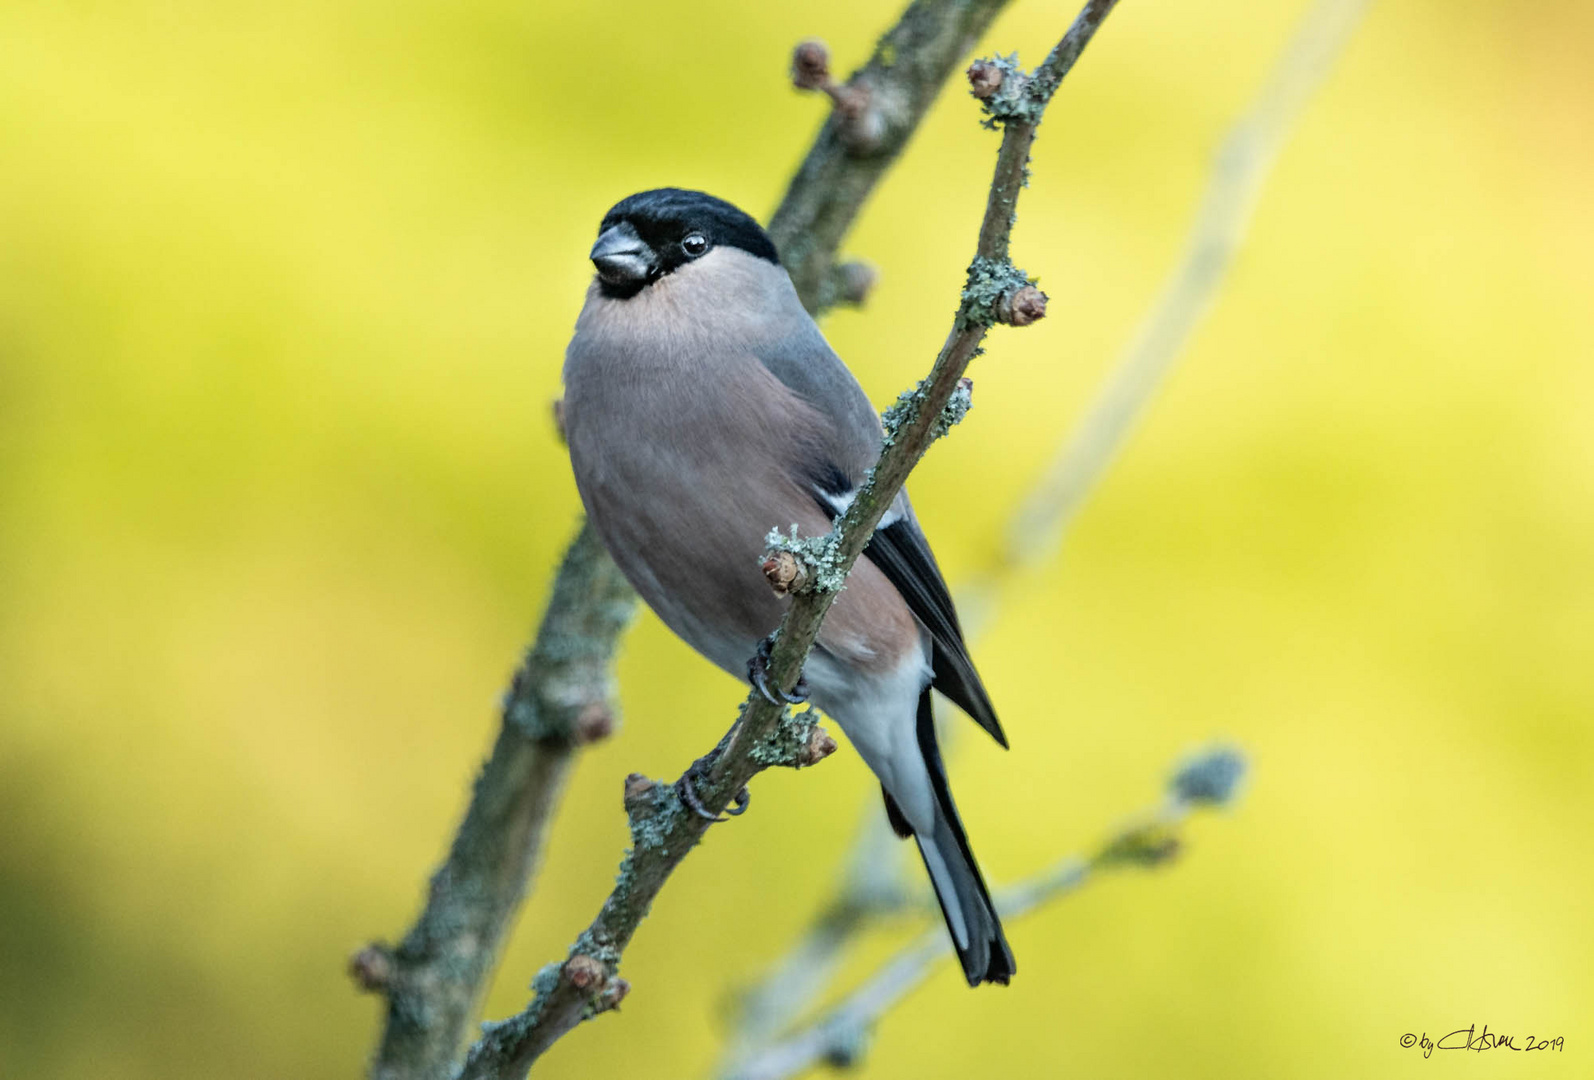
621 256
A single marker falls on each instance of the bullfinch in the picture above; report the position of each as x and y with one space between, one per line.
702 408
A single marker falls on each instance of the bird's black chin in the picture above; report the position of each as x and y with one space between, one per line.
625 262
627 269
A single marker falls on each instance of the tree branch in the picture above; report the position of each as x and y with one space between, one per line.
876 113
840 1035
559 700
663 830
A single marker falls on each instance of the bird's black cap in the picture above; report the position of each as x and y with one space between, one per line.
676 226
664 216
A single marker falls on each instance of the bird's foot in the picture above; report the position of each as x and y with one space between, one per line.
758 675
686 787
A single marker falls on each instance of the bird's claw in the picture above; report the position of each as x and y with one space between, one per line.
758 675
686 787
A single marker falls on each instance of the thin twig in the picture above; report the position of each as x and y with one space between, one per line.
1153 839
663 831
1248 153
872 888
793 983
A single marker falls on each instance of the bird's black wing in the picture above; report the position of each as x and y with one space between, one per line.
841 453
902 553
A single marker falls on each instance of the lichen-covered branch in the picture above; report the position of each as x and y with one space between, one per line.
561 699
1153 839
663 829
876 113
869 888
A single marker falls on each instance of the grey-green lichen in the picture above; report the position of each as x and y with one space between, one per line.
620 899
990 281
957 407
787 742
909 402
499 1036
653 819
604 952
621 893
546 979
901 412
820 556
591 605
1015 99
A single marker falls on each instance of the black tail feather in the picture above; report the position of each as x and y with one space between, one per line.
984 953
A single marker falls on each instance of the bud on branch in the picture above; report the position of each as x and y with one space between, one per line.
862 128
985 79
785 572
1022 306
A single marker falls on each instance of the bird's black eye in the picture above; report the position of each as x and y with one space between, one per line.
695 244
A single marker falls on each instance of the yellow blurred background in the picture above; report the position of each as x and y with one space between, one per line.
285 293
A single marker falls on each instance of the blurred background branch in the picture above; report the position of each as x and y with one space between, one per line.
1238 172
561 699
872 887
875 114
1152 838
